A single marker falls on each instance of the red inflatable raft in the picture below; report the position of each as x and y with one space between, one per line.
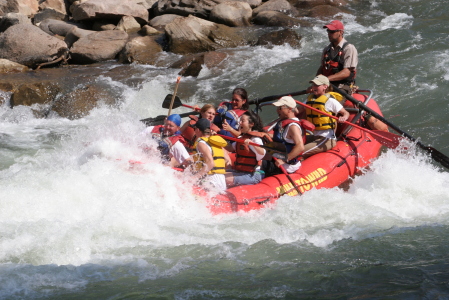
355 150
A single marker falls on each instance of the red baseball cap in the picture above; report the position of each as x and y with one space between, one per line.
335 25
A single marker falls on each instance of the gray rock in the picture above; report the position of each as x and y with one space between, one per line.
30 46
193 35
198 8
142 50
98 46
111 9
7 66
232 13
128 24
276 5
11 19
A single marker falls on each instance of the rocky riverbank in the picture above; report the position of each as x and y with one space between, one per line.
42 42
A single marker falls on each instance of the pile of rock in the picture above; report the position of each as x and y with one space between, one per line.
36 33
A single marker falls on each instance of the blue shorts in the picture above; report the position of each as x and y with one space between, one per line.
246 178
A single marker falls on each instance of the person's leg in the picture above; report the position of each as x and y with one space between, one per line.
318 144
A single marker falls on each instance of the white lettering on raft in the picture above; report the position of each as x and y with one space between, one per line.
311 180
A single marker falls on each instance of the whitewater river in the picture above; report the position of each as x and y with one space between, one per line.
77 223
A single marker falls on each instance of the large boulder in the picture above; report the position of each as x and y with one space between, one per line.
30 46
128 24
277 5
11 19
111 9
232 13
193 35
142 49
98 46
25 7
160 22
275 18
198 8
58 5
56 27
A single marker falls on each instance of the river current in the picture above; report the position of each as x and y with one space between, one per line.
77 223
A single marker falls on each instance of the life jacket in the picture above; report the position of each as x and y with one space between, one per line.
321 122
225 112
216 144
278 134
333 65
245 159
189 132
165 142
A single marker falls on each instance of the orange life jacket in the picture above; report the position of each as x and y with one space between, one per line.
245 160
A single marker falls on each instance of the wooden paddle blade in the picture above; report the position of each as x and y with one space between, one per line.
386 138
438 156
176 103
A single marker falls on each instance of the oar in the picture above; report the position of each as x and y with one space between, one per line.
288 176
434 153
175 104
177 101
242 141
386 138
275 97
174 95
159 120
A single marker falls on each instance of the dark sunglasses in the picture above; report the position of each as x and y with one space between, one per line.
332 31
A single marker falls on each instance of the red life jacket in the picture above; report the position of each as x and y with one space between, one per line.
333 65
166 142
245 159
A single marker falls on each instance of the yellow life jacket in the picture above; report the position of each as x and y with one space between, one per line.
321 122
216 144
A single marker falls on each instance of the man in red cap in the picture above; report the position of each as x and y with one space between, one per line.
339 59
339 62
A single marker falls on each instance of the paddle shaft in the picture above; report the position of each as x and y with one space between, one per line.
436 155
242 141
288 176
275 97
346 122
174 95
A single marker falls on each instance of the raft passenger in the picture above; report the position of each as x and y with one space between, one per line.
170 141
339 63
248 157
209 156
325 100
288 136
206 112
229 113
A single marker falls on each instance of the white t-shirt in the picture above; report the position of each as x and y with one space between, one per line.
291 168
178 151
334 106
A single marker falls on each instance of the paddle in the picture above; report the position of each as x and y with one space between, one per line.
242 141
159 120
434 153
288 176
386 138
174 95
176 103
